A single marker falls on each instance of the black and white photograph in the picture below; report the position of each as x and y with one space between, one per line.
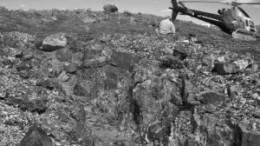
129 73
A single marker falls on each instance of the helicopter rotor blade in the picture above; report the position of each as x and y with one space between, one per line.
223 2
248 3
199 1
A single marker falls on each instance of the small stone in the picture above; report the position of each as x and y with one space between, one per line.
70 68
63 77
242 64
256 96
192 37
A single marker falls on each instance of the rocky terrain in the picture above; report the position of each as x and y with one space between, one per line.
84 78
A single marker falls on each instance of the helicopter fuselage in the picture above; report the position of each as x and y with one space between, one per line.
228 20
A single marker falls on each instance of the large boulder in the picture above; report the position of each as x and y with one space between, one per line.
108 8
54 42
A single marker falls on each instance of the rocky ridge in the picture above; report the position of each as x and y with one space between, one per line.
123 89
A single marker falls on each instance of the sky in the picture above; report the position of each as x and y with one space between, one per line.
157 7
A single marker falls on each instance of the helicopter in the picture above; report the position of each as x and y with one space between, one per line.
234 21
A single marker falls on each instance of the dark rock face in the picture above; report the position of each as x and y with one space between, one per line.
35 136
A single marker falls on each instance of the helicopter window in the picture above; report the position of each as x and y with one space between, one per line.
246 22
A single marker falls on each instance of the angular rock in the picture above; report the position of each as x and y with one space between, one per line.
68 86
48 84
80 133
187 94
234 90
226 68
154 96
31 103
93 58
171 62
64 55
70 68
36 136
180 52
212 97
63 77
253 67
242 64
159 131
38 106
214 131
112 77
54 42
124 60
248 138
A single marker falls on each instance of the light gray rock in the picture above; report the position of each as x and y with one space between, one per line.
54 42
